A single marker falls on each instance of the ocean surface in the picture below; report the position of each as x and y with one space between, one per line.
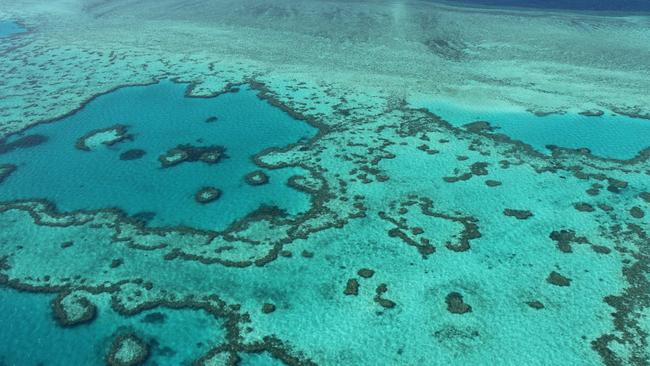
585 5
260 189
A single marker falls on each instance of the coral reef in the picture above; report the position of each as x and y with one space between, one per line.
207 195
127 350
108 136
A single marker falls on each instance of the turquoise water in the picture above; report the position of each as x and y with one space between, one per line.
159 118
261 359
610 135
178 336
411 242
308 292
498 270
8 28
590 5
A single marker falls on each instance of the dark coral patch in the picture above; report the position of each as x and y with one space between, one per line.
366 272
268 308
615 185
557 279
264 212
456 304
601 249
519 214
352 287
594 190
645 196
458 178
535 304
479 126
379 299
132 154
458 337
22 143
144 216
637 212
117 262
154 318
303 184
543 113
423 246
584 207
4 264
605 207
629 305
564 239
592 113
478 169
189 153
427 149
6 170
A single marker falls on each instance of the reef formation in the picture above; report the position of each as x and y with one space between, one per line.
422 239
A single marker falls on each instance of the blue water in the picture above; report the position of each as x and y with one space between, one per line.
611 136
258 359
8 28
27 324
588 5
160 118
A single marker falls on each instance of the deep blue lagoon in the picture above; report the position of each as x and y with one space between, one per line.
129 175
